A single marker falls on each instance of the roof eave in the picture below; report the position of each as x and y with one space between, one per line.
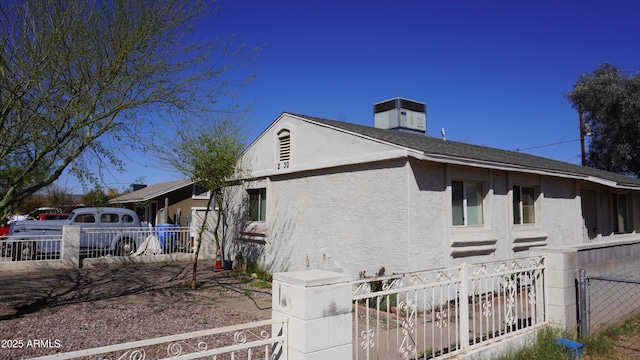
526 169
152 195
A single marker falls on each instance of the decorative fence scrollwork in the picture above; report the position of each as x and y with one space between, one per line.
444 312
260 339
174 349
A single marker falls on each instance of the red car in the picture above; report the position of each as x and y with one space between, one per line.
53 216
4 231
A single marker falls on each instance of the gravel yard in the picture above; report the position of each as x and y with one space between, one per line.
43 313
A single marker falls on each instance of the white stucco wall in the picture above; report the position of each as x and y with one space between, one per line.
396 214
427 214
340 221
561 215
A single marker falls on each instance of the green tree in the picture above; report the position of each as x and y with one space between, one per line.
609 100
96 197
81 80
208 156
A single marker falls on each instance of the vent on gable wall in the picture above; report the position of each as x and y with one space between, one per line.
401 114
284 145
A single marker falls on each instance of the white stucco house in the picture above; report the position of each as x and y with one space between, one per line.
337 196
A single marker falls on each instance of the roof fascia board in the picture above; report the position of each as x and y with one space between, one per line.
156 194
166 191
509 167
387 155
496 166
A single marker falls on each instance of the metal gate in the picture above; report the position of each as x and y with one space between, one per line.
447 312
611 302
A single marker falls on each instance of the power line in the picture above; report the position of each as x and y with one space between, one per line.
541 146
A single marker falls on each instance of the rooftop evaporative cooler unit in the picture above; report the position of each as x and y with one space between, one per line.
400 114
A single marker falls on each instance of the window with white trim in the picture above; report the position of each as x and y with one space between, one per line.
524 205
199 192
257 204
466 203
620 208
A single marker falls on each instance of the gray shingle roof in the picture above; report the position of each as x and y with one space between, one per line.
151 192
433 146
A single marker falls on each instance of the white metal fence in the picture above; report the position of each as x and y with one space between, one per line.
441 313
266 339
109 241
97 242
33 248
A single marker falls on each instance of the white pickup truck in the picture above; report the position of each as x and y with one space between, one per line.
104 229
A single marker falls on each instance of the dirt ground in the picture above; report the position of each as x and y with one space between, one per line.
54 311
25 293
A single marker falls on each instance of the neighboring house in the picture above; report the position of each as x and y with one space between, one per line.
173 202
349 198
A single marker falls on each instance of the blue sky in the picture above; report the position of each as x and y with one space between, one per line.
492 73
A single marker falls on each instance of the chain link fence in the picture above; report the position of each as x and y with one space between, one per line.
611 305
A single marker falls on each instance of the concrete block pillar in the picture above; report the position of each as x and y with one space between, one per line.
562 276
70 247
318 306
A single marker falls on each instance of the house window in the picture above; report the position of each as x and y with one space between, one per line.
620 213
257 204
284 145
199 192
466 203
523 205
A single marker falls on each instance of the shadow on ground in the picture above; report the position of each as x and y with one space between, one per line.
25 293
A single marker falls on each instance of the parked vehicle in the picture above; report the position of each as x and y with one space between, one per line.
53 216
117 231
35 214
4 231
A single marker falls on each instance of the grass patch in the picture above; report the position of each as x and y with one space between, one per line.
604 346
545 348
630 327
599 347
261 273
262 284
251 272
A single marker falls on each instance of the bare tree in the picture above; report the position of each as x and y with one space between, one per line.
59 197
208 156
82 78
